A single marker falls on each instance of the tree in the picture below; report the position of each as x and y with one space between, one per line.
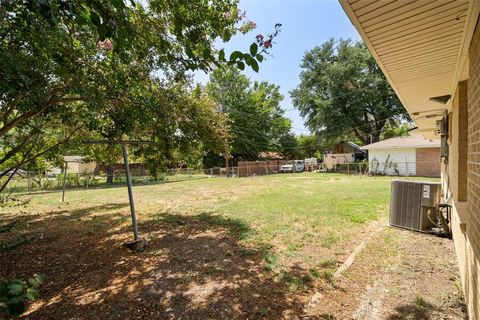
343 93
257 121
399 129
308 146
289 146
78 67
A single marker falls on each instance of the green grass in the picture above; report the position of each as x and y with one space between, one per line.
291 219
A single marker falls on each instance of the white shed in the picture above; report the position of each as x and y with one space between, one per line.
411 155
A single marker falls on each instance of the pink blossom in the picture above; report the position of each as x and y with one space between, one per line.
259 37
105 44
267 44
254 25
227 14
241 14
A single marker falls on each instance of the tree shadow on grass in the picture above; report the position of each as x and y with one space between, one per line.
195 267
419 309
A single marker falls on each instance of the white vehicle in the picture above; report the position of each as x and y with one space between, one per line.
286 168
293 166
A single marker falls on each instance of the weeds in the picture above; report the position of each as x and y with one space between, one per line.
15 243
295 283
327 274
421 304
8 227
327 263
329 240
179 259
314 273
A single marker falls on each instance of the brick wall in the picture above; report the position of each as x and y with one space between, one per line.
472 281
428 162
458 143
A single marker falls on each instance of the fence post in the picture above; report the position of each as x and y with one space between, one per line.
64 181
29 186
348 169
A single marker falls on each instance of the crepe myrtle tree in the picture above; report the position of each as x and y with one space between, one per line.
69 63
73 69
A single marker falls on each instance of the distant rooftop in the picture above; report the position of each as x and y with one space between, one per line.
271 155
73 158
411 141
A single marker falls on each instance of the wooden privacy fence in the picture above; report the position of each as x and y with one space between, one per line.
259 168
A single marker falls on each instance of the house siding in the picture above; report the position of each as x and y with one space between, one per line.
428 162
405 159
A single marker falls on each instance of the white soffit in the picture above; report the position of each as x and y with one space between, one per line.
419 44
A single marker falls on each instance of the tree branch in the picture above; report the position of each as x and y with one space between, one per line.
27 115
15 169
10 153
24 160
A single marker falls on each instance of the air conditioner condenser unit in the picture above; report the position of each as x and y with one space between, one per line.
413 204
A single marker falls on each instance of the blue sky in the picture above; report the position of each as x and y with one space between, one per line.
306 23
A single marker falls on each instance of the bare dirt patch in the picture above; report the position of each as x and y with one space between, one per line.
400 275
194 268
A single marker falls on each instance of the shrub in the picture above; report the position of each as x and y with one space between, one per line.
14 293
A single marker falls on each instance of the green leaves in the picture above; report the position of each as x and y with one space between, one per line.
14 292
257 121
253 49
241 65
249 59
235 55
95 18
98 57
343 93
254 65
221 55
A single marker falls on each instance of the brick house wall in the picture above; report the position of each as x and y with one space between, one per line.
458 143
428 162
472 280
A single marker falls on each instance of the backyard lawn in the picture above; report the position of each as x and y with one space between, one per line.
217 248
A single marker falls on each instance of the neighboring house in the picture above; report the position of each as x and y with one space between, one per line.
343 152
406 156
430 53
349 149
76 164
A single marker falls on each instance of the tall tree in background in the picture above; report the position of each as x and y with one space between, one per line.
289 146
257 121
309 146
343 93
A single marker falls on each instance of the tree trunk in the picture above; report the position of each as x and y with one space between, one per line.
109 173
